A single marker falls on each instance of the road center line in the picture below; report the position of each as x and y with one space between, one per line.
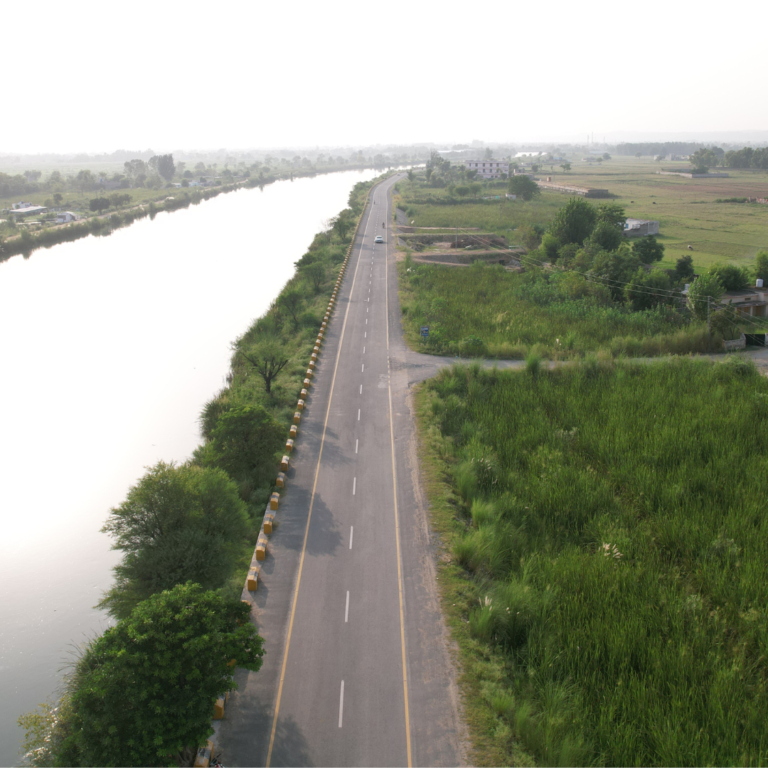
363 349
341 703
358 414
351 533
356 444
309 520
346 610
361 389
354 485
363 370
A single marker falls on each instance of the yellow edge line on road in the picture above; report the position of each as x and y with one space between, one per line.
397 522
309 516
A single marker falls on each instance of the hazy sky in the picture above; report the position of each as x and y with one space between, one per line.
95 76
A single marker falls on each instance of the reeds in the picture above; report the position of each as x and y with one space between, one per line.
615 532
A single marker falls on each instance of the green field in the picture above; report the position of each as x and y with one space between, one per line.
486 311
607 581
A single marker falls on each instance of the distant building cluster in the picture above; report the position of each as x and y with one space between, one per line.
640 227
488 169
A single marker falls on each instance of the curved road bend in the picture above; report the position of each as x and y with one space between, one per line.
358 670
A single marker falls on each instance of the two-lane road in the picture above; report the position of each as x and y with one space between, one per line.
357 671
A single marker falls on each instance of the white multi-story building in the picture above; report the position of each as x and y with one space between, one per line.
488 169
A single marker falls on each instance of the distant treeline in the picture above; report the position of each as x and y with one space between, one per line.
659 148
27 241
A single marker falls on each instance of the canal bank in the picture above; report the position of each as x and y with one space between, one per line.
110 351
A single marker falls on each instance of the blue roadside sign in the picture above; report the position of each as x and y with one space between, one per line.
425 331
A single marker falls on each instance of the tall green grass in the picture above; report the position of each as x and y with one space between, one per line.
484 310
611 524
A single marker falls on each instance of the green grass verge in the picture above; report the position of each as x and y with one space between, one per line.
606 578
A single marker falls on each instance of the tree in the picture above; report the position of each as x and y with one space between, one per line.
524 186
84 180
606 156
291 301
574 222
99 204
704 294
177 524
243 443
315 273
613 214
143 693
135 168
615 269
411 175
761 265
731 277
606 236
684 267
550 245
163 165
57 198
566 167
342 224
648 289
267 358
648 249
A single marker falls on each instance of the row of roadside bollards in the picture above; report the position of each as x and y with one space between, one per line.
205 754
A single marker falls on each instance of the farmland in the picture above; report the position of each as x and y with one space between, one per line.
685 208
604 574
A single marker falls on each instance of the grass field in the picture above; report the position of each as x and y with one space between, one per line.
607 581
484 310
685 208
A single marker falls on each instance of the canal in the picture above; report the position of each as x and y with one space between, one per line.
109 347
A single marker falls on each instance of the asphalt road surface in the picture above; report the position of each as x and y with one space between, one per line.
358 669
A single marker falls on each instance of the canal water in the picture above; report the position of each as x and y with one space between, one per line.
109 347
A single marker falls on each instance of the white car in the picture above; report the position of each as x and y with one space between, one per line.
378 239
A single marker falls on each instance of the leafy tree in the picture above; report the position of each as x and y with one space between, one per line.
411 175
84 180
574 222
761 265
647 289
143 693
243 442
606 156
177 524
135 168
33 175
163 165
267 358
342 224
57 198
614 269
550 245
648 249
99 204
315 273
291 302
704 294
612 214
566 167
731 277
524 186
606 236
684 267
